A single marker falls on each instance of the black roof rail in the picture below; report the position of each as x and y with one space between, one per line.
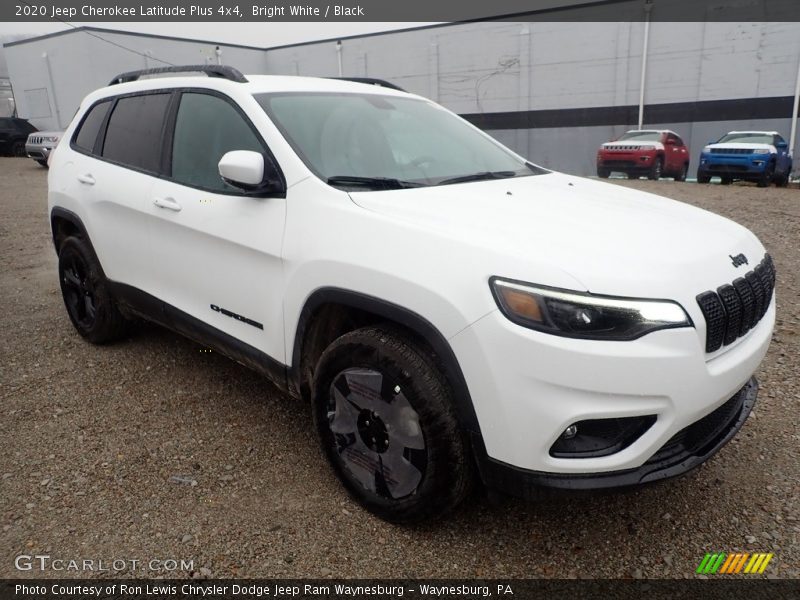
371 81
222 71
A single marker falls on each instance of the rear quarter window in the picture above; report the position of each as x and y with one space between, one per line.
133 135
86 136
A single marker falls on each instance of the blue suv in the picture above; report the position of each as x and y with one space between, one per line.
760 156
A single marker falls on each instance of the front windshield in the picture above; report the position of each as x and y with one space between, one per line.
365 140
641 136
746 138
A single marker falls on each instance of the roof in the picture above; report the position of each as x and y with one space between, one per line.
755 132
90 30
652 131
256 84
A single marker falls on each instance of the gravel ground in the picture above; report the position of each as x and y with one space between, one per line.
152 449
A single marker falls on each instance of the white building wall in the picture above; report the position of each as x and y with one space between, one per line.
80 62
477 68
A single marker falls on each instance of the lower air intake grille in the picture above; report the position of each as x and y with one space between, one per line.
734 309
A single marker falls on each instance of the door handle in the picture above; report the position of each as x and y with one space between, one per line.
87 179
168 203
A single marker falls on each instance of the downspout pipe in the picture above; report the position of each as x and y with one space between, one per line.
56 110
648 6
339 57
795 106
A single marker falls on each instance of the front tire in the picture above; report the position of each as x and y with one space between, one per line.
603 173
767 175
703 177
656 169
385 418
681 176
90 306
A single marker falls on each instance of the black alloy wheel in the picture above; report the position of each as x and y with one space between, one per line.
90 306
385 417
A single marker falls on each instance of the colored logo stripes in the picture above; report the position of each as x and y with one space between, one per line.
720 562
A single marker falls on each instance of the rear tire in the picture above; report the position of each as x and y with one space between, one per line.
90 306
386 421
783 180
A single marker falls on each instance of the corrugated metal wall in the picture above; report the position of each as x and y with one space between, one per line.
502 67
581 72
51 75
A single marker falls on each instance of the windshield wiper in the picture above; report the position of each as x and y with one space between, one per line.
482 175
378 183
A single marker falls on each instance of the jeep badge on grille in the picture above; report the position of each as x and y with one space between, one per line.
738 260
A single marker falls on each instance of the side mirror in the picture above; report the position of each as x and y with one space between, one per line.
782 145
249 171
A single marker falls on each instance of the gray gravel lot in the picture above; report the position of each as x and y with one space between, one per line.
151 449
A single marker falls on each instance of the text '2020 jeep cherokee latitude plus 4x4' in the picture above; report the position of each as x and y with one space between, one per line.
443 303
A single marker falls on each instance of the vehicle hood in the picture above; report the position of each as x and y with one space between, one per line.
610 239
742 146
631 145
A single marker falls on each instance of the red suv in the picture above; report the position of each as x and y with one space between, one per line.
654 153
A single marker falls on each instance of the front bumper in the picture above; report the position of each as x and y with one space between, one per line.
686 450
625 161
528 387
734 165
38 151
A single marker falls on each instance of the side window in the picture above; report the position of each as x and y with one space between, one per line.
678 141
207 127
133 135
87 134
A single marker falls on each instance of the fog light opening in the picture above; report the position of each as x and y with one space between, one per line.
570 432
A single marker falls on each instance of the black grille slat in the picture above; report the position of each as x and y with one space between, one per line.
758 292
714 313
748 304
734 309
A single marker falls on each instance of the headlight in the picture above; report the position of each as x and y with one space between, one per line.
761 151
647 147
51 138
707 150
582 315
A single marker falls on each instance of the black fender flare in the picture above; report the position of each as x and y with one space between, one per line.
67 215
405 317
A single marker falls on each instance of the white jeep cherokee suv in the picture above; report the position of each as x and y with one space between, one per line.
452 311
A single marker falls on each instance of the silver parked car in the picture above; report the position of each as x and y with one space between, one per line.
40 144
